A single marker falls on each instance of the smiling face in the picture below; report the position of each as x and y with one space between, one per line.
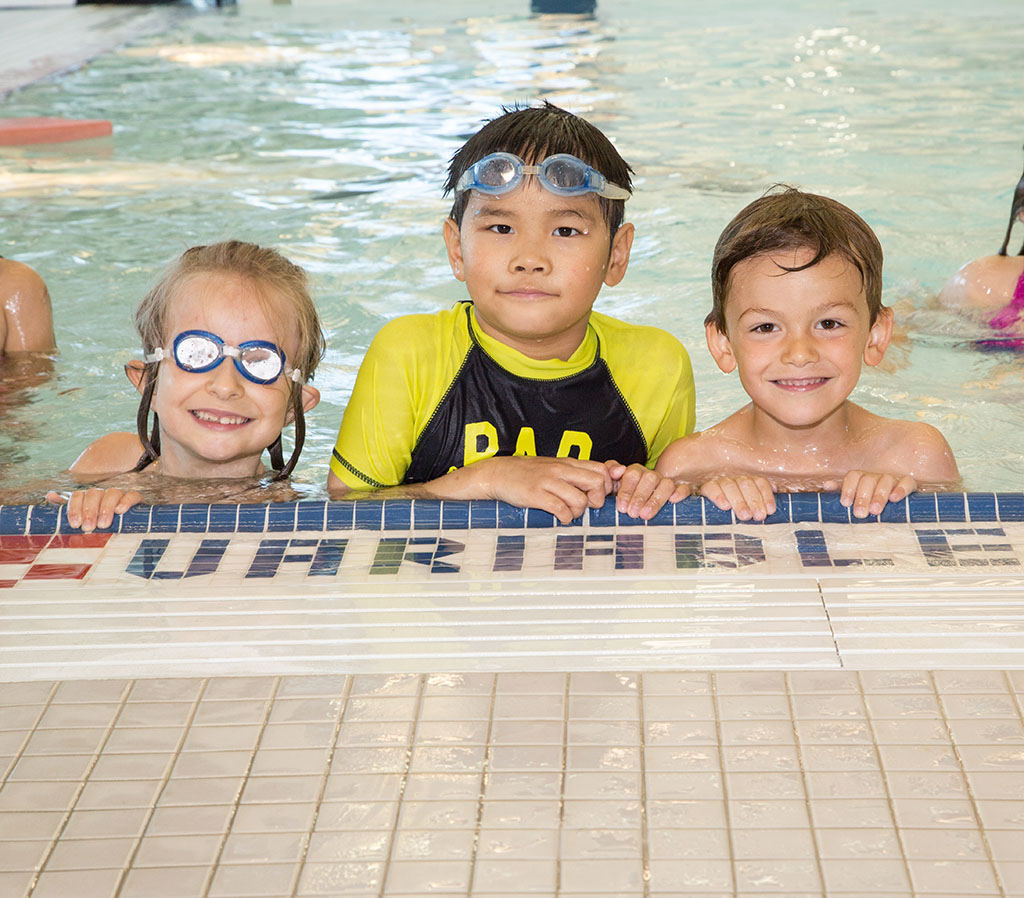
217 423
798 338
533 264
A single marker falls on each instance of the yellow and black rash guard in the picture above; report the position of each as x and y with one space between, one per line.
436 393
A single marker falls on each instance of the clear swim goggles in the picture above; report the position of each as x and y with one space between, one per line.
257 360
562 174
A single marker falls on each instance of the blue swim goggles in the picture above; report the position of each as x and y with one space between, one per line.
257 360
562 174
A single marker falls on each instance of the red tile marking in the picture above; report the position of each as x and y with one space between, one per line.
15 549
57 571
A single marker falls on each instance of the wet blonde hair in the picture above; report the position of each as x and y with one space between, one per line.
271 274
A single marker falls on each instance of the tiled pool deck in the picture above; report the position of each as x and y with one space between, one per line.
424 698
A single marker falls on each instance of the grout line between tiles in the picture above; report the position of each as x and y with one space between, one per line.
885 785
725 784
215 863
83 782
489 748
645 848
168 774
28 736
567 680
967 783
402 784
803 781
828 620
328 764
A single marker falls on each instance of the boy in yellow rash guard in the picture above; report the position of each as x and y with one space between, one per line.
524 394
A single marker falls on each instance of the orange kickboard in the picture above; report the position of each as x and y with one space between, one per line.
22 131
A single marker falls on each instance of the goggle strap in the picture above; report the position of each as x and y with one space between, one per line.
150 439
299 420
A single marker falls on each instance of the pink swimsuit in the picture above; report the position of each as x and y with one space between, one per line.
1008 316
1005 318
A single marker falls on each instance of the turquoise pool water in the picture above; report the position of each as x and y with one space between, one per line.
325 128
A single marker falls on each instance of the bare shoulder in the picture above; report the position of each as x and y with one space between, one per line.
693 457
911 447
114 453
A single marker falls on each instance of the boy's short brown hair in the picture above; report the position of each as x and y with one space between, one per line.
786 218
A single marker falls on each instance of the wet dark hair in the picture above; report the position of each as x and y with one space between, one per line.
533 133
1015 209
269 272
786 218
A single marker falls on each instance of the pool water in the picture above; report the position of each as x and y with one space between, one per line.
324 129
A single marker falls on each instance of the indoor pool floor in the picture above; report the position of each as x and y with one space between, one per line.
425 698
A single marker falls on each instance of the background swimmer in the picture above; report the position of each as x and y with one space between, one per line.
993 286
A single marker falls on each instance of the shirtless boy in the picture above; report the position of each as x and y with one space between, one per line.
797 285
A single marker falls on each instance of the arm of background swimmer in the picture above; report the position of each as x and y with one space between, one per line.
26 310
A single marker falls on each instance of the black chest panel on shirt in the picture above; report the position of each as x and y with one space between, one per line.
486 406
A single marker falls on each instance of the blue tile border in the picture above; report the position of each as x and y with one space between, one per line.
434 514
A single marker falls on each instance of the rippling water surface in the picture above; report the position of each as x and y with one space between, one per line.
325 130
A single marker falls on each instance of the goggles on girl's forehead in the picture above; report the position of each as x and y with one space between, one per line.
257 360
562 174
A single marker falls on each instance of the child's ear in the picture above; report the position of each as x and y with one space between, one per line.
879 337
618 258
135 369
310 399
453 242
720 348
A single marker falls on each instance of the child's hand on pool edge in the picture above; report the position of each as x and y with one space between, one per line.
748 497
868 492
89 509
639 491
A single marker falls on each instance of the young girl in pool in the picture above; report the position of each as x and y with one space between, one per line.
993 286
230 337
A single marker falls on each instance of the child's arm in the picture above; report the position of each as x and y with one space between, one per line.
112 454
565 487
